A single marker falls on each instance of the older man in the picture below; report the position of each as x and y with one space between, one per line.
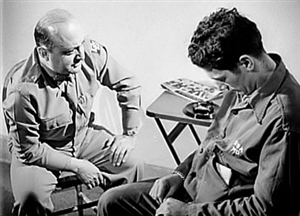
49 114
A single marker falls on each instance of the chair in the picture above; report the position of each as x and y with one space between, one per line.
67 180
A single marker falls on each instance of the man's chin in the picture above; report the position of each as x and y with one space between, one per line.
75 70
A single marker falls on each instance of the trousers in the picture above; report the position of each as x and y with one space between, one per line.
128 200
33 185
133 200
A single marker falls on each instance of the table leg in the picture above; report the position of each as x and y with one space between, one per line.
195 134
173 134
170 138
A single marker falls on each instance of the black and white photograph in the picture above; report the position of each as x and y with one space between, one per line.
150 108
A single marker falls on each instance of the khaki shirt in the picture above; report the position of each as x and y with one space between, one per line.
258 139
42 124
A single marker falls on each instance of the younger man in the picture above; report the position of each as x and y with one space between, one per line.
249 162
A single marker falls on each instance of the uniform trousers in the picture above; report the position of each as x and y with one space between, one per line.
33 185
133 200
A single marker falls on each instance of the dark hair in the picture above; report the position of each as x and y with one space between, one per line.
221 38
44 28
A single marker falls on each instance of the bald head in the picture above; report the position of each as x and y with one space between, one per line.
59 39
46 27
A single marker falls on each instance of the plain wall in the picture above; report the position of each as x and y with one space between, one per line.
150 38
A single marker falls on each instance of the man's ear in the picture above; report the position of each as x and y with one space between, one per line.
43 52
247 62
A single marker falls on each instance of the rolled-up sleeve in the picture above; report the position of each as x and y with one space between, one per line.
128 89
21 111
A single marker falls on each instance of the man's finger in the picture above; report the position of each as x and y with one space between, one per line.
106 180
97 181
159 211
117 154
154 192
121 158
100 178
161 193
109 142
126 156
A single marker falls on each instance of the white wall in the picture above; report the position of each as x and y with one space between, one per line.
150 38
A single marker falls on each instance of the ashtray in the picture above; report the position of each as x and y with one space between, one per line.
200 110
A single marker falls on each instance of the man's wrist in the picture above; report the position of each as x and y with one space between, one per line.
192 209
72 165
175 172
131 132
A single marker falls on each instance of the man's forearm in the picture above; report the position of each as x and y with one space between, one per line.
50 158
184 167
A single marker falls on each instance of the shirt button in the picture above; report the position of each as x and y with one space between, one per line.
81 99
234 112
222 135
193 175
201 150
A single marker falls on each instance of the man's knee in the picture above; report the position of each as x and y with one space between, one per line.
137 165
128 199
109 201
30 205
134 160
32 187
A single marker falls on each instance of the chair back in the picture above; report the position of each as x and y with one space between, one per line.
11 79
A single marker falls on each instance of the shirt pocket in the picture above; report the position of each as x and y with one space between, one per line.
211 187
56 122
57 131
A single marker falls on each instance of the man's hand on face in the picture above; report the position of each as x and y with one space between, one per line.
121 146
172 207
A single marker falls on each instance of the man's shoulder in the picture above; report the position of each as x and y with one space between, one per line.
96 54
94 47
31 74
27 79
288 97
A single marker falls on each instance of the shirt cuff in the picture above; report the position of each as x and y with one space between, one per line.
131 132
175 172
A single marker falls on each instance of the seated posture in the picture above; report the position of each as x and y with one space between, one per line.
49 112
249 162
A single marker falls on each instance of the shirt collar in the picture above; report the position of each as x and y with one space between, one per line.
51 77
31 69
260 99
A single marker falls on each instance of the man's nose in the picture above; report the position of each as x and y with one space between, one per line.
80 55
78 58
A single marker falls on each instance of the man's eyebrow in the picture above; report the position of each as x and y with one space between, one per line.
219 78
73 48
82 42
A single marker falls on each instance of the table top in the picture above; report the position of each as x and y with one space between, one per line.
169 106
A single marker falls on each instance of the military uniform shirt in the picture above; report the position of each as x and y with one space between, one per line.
258 138
44 119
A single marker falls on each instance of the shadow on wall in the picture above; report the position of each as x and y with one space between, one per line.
107 111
